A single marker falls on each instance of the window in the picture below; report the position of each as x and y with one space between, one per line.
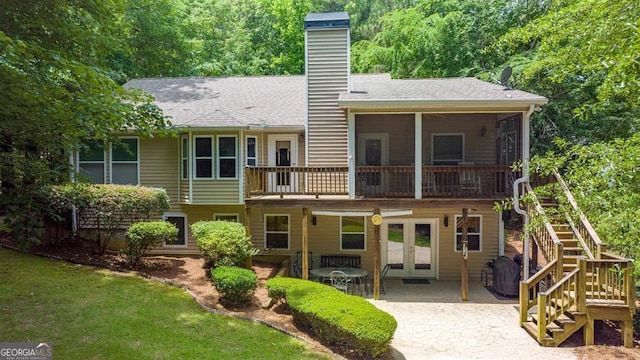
509 146
276 231
474 232
185 158
447 149
124 162
91 162
225 217
227 159
352 233
204 157
180 221
252 151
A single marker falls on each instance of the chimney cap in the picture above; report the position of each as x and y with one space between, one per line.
320 21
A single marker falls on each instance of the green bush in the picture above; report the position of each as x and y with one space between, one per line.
235 285
335 317
108 208
142 236
223 243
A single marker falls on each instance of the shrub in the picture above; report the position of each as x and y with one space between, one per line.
335 317
235 285
223 243
107 208
142 236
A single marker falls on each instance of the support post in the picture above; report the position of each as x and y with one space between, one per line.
376 258
305 244
247 226
465 254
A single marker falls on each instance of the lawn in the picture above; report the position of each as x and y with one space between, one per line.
88 313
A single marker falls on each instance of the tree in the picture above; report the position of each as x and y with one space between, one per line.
57 93
582 55
604 180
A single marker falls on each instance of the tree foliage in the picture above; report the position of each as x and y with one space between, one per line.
604 179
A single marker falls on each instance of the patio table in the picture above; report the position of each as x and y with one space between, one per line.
357 275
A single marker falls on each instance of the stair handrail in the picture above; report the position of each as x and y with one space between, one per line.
584 230
547 239
529 289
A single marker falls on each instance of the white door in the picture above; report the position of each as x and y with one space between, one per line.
283 153
372 151
409 247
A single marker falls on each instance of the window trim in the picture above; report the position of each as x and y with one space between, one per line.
364 233
111 162
278 232
184 158
456 233
103 162
196 158
186 230
227 214
218 157
434 135
246 144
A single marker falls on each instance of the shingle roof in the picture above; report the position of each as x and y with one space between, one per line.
228 102
279 101
444 89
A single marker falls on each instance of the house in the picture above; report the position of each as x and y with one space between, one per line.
403 173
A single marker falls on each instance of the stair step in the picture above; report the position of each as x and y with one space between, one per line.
573 248
532 329
564 234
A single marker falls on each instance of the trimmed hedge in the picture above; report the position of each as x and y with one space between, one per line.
142 236
223 243
335 317
235 285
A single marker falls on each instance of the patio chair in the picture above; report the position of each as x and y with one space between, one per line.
340 280
297 264
468 178
383 275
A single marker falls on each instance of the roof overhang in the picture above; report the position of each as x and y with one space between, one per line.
441 105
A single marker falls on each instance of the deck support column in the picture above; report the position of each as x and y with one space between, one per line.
627 333
465 254
305 243
589 331
376 258
247 226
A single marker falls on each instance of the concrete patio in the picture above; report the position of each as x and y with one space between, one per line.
434 323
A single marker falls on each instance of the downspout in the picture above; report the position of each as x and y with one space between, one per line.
191 167
521 180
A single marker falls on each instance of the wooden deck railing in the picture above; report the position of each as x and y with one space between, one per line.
543 232
290 180
600 278
581 225
381 181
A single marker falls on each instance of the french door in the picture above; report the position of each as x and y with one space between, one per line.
409 247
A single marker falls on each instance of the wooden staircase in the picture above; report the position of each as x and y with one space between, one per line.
580 283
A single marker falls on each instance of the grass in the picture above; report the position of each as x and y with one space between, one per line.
88 313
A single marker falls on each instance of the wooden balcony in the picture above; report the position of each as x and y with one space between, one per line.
382 181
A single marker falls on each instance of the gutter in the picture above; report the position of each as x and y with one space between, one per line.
521 180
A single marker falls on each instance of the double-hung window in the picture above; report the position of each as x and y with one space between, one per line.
474 232
447 149
276 231
125 162
227 157
352 233
203 157
252 151
91 162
